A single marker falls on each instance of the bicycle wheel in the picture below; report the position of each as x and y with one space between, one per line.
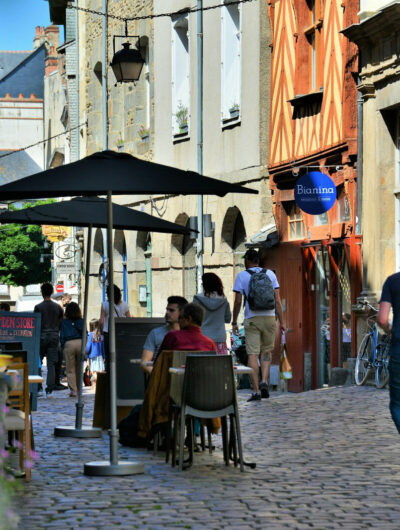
382 368
363 361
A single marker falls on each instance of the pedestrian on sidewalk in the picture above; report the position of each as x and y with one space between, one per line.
95 348
390 299
121 310
71 342
260 289
216 311
52 315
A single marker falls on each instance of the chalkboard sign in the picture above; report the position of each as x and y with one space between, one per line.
130 336
25 328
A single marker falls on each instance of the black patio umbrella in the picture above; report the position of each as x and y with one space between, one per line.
102 173
89 212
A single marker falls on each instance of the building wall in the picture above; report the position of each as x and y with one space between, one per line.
379 87
237 152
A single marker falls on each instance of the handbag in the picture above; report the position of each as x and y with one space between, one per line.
286 369
87 376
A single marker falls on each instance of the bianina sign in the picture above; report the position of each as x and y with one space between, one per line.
315 193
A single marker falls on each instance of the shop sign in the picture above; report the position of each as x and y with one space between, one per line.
315 193
55 233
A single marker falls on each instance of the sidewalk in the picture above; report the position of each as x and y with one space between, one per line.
325 459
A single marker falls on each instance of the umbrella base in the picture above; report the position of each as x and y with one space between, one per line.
72 432
103 468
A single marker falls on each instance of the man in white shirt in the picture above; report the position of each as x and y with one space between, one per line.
259 325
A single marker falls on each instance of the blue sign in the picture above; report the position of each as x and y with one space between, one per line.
315 193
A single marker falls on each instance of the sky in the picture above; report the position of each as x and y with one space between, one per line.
18 21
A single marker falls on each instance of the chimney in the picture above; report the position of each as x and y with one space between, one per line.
51 62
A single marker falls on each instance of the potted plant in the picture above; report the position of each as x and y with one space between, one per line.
181 116
120 142
144 132
234 110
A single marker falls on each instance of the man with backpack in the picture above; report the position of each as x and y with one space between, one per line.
262 303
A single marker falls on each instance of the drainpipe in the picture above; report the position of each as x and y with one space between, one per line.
200 249
105 116
360 161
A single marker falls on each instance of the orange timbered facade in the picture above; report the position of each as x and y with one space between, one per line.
313 127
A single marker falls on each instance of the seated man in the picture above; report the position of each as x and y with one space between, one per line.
156 399
155 337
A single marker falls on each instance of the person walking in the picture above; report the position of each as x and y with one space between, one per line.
71 342
52 315
390 299
95 348
216 311
121 310
260 289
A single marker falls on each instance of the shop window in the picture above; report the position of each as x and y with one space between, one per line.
296 227
313 35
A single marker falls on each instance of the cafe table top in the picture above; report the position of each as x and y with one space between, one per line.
238 369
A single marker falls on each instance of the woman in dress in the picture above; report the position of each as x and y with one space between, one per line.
216 310
121 310
71 343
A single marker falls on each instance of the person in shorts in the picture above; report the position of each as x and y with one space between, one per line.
259 325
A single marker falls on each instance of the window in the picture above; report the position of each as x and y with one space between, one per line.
230 60
180 75
313 34
295 220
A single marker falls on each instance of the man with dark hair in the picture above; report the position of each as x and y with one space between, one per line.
259 322
189 338
52 315
155 337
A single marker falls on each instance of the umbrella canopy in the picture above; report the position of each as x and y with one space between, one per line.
119 173
86 211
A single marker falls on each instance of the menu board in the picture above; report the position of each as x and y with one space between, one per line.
24 328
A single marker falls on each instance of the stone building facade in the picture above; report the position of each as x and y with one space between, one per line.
142 120
378 40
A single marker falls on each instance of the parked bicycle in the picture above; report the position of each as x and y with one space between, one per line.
373 353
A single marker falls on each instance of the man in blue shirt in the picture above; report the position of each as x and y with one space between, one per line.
390 299
154 339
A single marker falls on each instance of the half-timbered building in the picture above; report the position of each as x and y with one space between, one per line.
313 127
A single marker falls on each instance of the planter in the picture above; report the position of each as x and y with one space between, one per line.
183 129
234 112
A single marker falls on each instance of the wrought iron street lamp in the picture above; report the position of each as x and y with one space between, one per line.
127 63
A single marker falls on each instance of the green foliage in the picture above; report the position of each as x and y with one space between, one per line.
20 249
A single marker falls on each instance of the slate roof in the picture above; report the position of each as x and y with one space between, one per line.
16 166
10 60
24 76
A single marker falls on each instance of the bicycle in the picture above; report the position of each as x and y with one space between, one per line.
373 353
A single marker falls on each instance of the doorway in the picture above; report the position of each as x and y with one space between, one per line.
322 320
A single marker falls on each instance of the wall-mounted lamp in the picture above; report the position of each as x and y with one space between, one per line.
127 63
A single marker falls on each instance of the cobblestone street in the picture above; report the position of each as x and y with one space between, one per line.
325 459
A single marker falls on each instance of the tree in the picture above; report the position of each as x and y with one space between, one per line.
21 248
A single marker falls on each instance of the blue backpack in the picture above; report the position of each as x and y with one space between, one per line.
261 294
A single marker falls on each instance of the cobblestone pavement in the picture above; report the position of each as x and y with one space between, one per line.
325 459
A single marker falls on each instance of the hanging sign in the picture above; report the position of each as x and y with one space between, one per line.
55 233
315 193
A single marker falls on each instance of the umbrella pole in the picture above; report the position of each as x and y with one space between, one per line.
77 431
113 467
